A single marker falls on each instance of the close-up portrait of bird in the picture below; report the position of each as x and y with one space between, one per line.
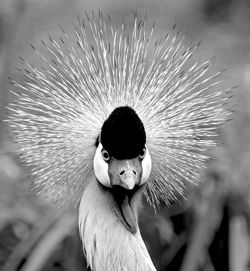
113 120
112 116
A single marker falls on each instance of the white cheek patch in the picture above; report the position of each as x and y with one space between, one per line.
101 167
146 167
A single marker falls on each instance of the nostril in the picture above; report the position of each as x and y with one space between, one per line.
122 172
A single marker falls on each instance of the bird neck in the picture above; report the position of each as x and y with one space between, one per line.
106 242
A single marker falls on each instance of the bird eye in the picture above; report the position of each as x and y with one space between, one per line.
105 155
142 153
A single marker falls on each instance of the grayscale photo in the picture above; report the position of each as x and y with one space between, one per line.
124 135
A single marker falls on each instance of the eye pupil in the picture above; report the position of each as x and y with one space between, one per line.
143 153
105 155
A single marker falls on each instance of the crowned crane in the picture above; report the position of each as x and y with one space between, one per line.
114 115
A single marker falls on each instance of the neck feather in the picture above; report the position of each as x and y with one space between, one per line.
106 242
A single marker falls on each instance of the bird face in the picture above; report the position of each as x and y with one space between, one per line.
127 173
122 162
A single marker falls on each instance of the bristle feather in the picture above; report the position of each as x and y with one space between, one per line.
62 106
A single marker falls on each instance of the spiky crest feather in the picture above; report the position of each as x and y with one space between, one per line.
61 107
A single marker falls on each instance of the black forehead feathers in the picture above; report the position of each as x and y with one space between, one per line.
123 134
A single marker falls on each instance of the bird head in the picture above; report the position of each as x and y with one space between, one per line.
122 162
176 108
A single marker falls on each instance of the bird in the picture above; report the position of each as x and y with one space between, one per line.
113 115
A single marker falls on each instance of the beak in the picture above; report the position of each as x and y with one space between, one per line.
125 177
126 173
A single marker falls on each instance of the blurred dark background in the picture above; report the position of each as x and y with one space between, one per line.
207 231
